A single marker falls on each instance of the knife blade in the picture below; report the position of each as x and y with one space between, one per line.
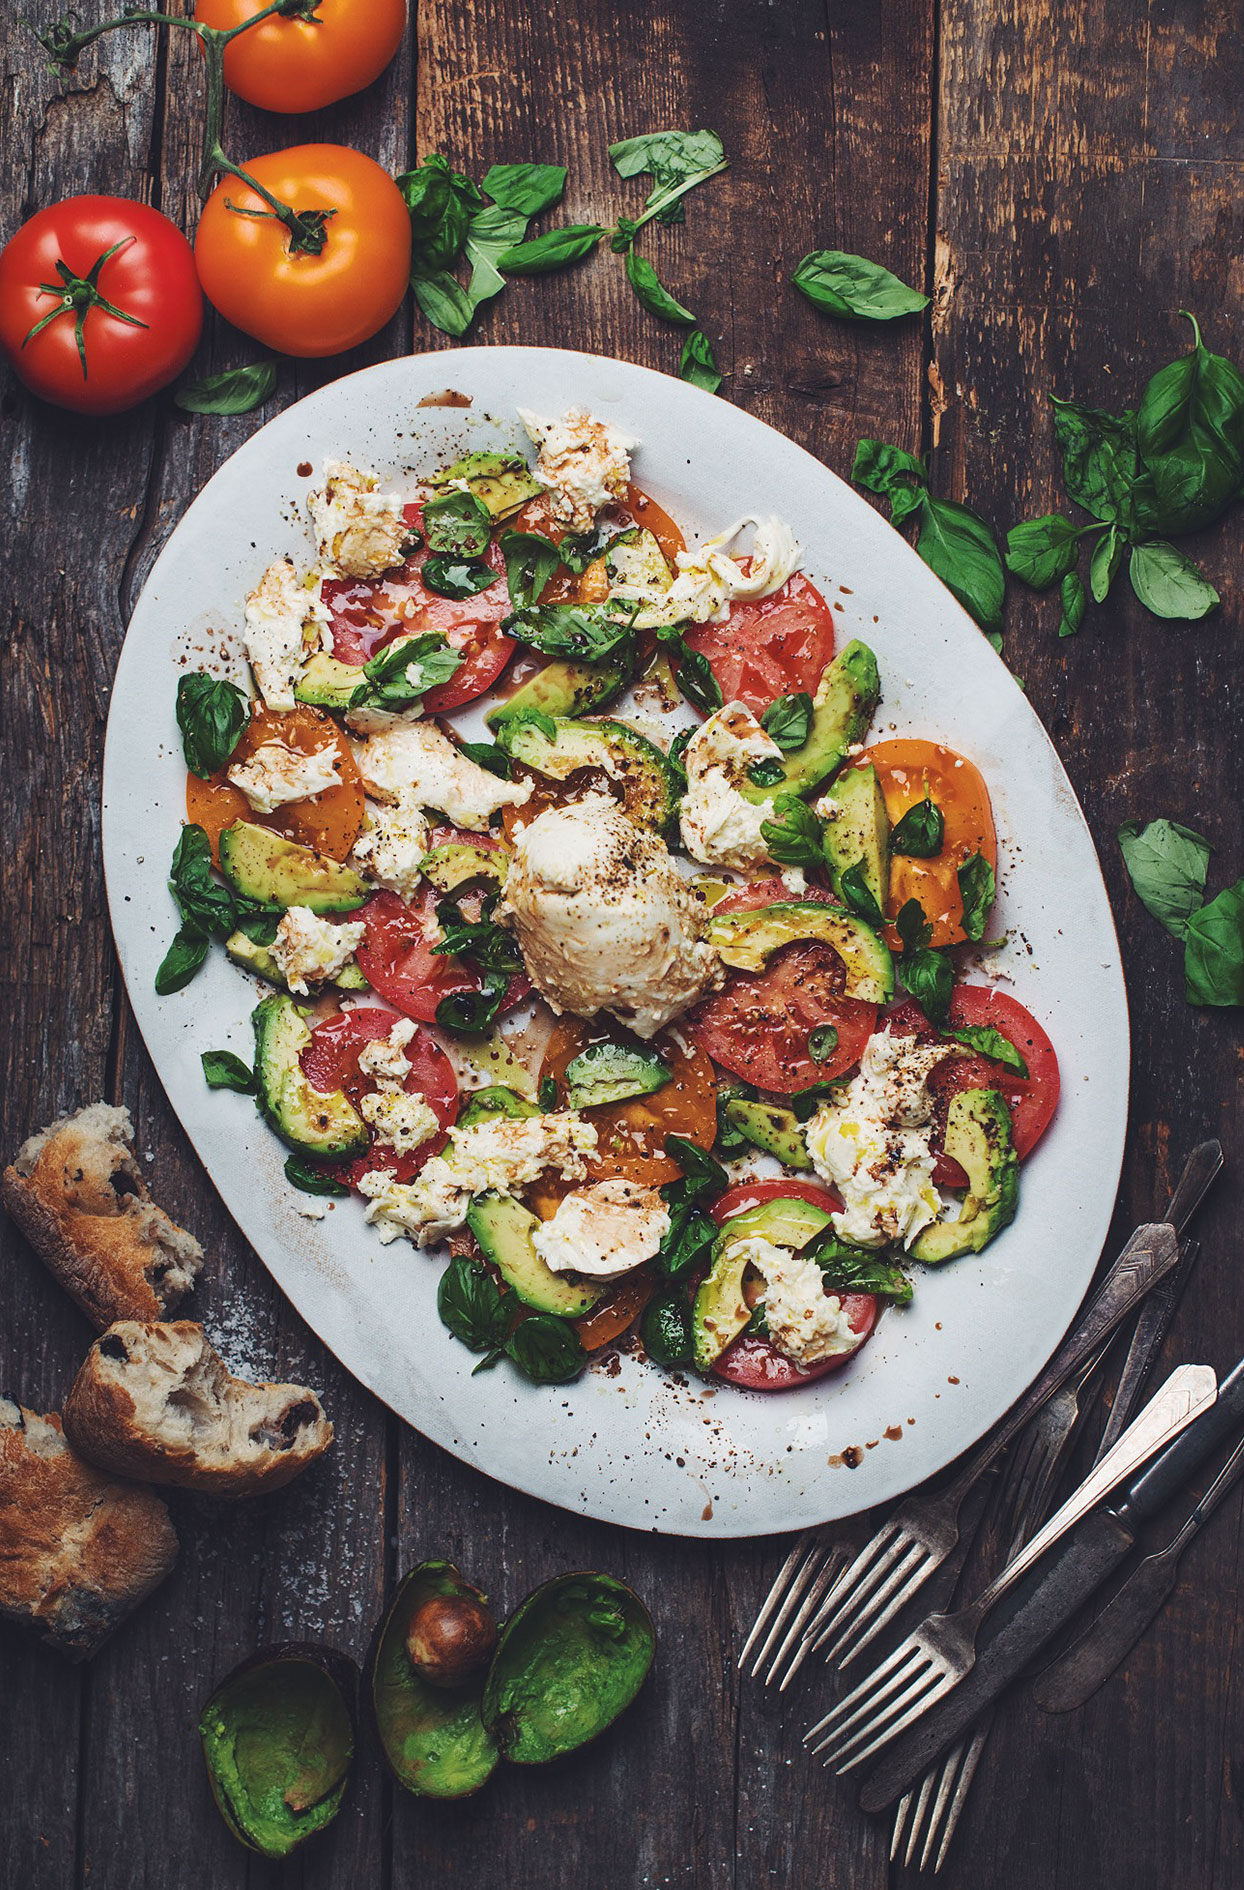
1094 1657
1051 1594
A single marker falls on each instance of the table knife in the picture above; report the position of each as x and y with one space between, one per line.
1052 1594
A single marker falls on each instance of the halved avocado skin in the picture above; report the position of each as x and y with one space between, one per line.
859 832
564 688
720 1311
326 1127
746 939
503 1227
433 1738
978 1137
326 683
259 959
570 1660
849 691
278 873
775 1130
648 783
249 1702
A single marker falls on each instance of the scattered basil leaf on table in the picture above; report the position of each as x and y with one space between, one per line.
919 834
1169 584
445 302
1167 865
953 541
223 1070
794 838
237 390
988 1042
788 720
403 671
677 161
978 889
652 293
856 891
529 188
457 578
491 232
1190 431
556 249
458 525
697 364
530 561
213 716
1214 950
471 1304
1043 551
1104 563
311 1180
1074 603
854 288
546 1350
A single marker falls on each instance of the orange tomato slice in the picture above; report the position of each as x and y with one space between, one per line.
907 771
329 822
632 1134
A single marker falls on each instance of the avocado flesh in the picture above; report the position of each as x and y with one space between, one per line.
503 1227
564 688
278 1742
746 940
328 1128
453 864
259 959
570 1660
327 684
720 1311
496 1100
501 484
857 831
627 757
978 1137
278 873
776 1131
433 1738
849 691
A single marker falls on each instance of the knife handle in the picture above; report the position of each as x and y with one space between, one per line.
1166 1476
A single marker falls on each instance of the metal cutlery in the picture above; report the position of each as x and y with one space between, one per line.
942 1650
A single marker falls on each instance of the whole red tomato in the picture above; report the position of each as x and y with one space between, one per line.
99 303
303 65
295 299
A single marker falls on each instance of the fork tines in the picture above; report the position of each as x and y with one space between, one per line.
894 1695
868 1594
812 1567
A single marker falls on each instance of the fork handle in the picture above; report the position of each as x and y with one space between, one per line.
1147 1258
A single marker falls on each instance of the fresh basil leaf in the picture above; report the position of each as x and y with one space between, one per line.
858 895
180 962
554 250
471 1304
652 293
237 390
1102 468
546 1350
610 1072
854 288
1214 950
666 1331
704 1176
850 1269
822 1042
206 906
766 772
530 188
929 977
921 831
457 524
1169 584
586 632
489 234
440 202
693 673
1167 865
669 157
988 1042
495 1100
788 721
488 755
467 1013
1190 430
958 545
1073 603
530 561
546 1095
257 923
1105 562
491 946
403 671
678 748
309 1179
912 927
212 715
544 724
1042 551
730 1140
444 301
696 363
887 470
978 890
795 837
688 1244
804 1103
579 549
222 1070
457 578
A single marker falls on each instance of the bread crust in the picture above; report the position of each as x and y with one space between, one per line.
78 1195
155 1401
78 1550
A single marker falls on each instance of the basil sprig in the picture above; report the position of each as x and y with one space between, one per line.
546 1349
405 670
954 541
854 288
920 833
1167 864
223 1070
237 390
213 716
586 632
927 975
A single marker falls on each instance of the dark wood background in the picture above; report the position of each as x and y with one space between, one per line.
1063 179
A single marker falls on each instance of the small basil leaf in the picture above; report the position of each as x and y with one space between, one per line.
766 772
704 1176
888 470
457 524
854 288
488 755
222 1070
527 718
206 906
1169 584
1073 605
1105 562
212 715
693 673
805 1102
928 976
546 1095
489 945
470 1303
822 1042
554 250
788 721
858 895
181 961
530 561
1101 463
529 188
912 927
921 831
586 632
677 161
1167 865
795 837
450 577
978 890
444 301
652 293
1042 551
696 363
988 1042
490 231
238 390
849 1269
546 1350
959 547
405 670
665 1330
467 1013
1214 950
311 1180
688 1244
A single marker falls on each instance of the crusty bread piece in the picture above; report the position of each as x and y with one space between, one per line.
157 1402
78 1551
76 1192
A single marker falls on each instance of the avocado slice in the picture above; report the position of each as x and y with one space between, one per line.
565 688
571 1658
776 1131
746 939
433 1738
328 1128
496 1100
327 684
978 1137
503 1228
649 785
849 691
636 559
453 864
277 873
857 831
720 1311
259 959
500 481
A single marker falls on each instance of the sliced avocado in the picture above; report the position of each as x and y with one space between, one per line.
490 1055
453 864
496 1100
978 1137
499 481
746 939
565 688
326 1127
278 873
649 785
720 1311
259 959
776 1131
432 1737
503 1228
637 559
849 691
857 831
326 683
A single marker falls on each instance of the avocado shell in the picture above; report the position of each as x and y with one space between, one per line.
278 1738
570 1660
433 1738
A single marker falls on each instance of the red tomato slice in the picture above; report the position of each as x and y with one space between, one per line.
368 613
769 646
331 1061
750 1194
1032 1102
757 1025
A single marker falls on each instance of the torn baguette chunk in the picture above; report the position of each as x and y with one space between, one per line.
78 1551
157 1402
78 1195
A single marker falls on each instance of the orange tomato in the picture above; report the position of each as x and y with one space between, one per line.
618 1313
329 822
632 1134
303 304
303 65
907 771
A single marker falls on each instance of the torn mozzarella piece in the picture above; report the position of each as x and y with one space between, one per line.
285 617
384 1059
414 765
604 1230
308 949
359 529
584 464
720 826
402 1119
273 775
709 579
805 1322
391 846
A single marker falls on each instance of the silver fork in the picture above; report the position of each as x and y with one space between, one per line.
811 1568
933 1659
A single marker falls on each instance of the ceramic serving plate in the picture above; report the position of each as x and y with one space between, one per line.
625 1443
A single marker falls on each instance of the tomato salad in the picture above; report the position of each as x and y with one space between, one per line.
606 958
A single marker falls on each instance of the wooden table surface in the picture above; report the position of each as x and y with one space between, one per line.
1062 179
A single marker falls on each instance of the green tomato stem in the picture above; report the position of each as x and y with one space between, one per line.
78 295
